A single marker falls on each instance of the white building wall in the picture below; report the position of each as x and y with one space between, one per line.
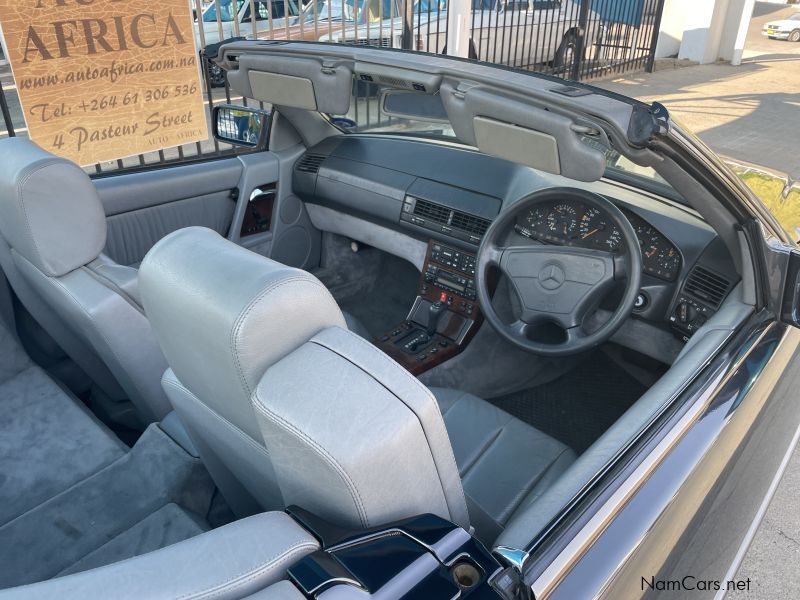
704 30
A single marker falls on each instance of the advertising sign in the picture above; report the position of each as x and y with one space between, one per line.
105 79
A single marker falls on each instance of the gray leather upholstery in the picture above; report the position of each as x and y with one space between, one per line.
502 461
356 326
233 561
49 212
53 230
223 315
354 437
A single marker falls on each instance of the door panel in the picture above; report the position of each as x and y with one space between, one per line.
143 207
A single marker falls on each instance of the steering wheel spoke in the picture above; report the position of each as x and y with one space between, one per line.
620 267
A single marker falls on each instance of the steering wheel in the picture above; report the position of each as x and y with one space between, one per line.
558 285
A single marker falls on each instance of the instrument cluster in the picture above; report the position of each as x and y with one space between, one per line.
571 223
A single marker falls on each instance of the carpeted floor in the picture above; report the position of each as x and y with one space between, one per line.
374 286
579 406
72 496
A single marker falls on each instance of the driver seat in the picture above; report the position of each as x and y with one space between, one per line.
348 433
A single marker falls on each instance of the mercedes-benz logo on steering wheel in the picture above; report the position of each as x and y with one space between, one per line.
551 277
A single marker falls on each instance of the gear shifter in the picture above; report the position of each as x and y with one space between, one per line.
435 312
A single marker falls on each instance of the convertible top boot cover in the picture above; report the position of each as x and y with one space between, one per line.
222 315
347 433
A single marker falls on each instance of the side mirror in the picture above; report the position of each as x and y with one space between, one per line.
241 125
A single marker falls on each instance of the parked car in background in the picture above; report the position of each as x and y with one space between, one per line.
550 26
229 21
784 29
327 17
235 18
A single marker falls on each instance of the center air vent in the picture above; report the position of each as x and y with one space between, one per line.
444 219
310 163
707 286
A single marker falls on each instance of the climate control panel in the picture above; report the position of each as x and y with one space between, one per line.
449 277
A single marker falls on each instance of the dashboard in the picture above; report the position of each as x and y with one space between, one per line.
570 223
421 192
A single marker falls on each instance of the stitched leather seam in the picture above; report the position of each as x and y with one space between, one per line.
482 452
246 438
323 453
20 185
246 576
146 408
415 382
522 496
240 320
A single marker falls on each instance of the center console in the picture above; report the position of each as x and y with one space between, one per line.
444 316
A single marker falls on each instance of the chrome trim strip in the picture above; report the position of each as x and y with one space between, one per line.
566 559
512 557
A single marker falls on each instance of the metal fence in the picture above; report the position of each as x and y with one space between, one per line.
574 39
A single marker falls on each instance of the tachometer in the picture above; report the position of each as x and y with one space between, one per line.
596 230
563 220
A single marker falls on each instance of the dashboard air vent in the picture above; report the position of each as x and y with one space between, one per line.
310 163
455 219
434 212
469 223
707 286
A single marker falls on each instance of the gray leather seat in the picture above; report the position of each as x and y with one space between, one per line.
52 234
502 461
347 433
222 314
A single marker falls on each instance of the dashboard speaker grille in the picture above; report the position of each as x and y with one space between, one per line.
707 286
310 163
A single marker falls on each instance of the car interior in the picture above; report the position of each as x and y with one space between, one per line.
469 319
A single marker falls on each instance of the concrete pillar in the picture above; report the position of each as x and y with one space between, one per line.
704 30
459 15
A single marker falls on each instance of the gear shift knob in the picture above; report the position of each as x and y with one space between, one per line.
435 312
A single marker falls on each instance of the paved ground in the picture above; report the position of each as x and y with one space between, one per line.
750 112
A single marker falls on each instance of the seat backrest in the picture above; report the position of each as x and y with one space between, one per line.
221 315
53 230
273 387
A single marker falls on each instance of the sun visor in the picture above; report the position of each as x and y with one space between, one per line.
305 83
521 132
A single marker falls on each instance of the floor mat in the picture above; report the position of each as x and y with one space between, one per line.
168 525
48 442
388 301
74 524
579 406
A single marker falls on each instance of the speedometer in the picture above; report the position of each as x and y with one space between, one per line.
596 230
563 220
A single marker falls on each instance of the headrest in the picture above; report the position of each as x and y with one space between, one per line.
50 212
354 437
223 314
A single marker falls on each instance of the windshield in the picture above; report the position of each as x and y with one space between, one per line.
321 10
367 116
227 12
349 10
